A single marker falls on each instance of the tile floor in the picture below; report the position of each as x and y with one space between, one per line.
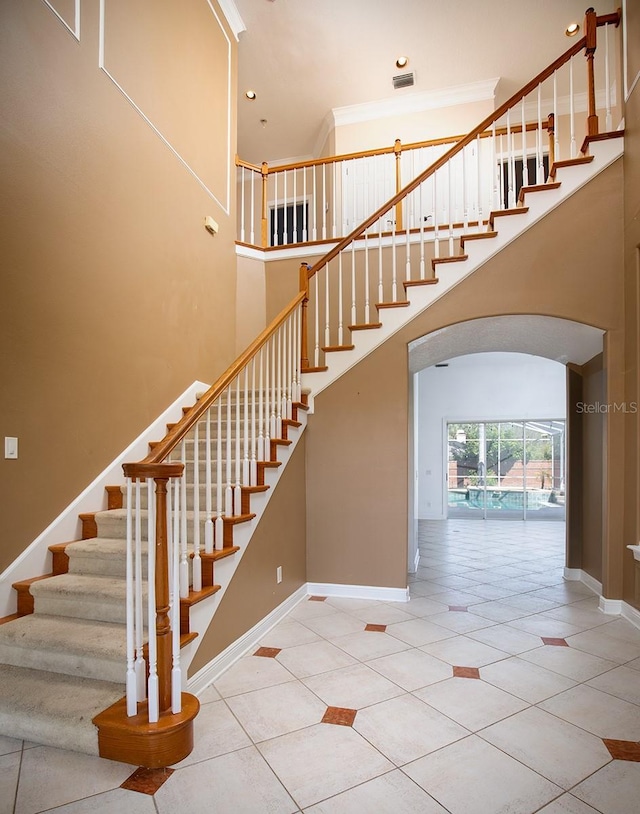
497 688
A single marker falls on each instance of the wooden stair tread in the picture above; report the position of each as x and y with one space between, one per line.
234 519
365 326
320 369
455 258
299 404
519 210
569 162
536 188
414 283
10 618
291 422
600 137
283 442
197 596
337 348
477 236
187 638
219 554
399 304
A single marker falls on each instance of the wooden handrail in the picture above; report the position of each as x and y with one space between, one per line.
177 433
444 159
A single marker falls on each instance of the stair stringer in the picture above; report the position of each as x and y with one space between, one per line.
478 252
202 614
35 560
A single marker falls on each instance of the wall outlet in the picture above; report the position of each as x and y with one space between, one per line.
279 574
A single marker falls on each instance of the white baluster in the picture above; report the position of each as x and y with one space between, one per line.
295 207
354 313
436 236
228 495
501 183
242 204
327 331
511 196
525 169
450 204
607 82
152 682
278 433
141 666
261 405
253 205
421 215
314 229
340 320
176 671
285 236
316 355
540 179
380 278
219 525
208 524
131 681
305 218
407 272
495 172
465 202
284 395
253 468
333 214
196 563
394 268
276 219
572 111
324 203
237 491
184 555
556 122
245 460
479 207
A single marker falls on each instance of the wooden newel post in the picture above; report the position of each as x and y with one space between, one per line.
160 473
397 149
590 33
263 220
304 287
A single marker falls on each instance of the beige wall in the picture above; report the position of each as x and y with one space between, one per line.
278 540
631 162
593 393
251 299
114 297
358 439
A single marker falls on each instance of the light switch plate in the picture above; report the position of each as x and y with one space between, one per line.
10 447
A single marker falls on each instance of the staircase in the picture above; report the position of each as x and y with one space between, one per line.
64 653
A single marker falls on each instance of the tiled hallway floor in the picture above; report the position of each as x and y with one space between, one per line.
498 688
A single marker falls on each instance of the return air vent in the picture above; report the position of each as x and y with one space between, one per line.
403 80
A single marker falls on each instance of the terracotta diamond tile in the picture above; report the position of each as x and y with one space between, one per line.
146 781
340 716
461 608
466 672
554 642
623 750
376 628
317 598
267 652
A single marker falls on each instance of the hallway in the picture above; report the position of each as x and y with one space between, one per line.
498 688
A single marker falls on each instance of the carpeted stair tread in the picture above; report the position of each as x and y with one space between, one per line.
102 556
53 709
77 647
81 596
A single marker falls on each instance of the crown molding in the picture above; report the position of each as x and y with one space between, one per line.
232 16
479 91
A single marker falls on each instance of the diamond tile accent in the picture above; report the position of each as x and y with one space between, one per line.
342 716
623 750
554 642
268 652
317 598
376 628
459 608
466 672
147 781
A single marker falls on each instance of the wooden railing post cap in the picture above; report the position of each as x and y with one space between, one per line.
153 470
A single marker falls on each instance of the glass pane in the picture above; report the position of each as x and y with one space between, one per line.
465 493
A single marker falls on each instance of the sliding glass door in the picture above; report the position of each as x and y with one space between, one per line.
506 470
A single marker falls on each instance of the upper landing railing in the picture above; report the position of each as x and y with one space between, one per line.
217 453
325 199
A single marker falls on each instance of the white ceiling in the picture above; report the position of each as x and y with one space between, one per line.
305 57
558 339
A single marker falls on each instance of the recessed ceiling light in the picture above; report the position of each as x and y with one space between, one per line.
572 29
250 94
402 62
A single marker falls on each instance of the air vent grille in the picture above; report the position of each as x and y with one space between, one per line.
403 80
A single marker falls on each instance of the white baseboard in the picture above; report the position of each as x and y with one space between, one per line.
211 671
573 574
358 591
416 563
631 614
590 582
612 607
